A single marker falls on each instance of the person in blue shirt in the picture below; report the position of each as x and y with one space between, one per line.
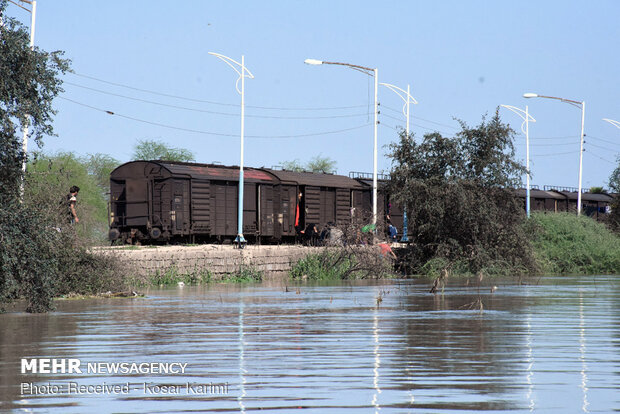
392 232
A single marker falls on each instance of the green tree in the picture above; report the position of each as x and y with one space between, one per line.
613 220
100 166
294 165
317 164
487 154
158 150
48 179
30 82
320 164
614 178
460 202
38 258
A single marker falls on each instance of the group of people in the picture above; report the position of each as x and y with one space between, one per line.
312 237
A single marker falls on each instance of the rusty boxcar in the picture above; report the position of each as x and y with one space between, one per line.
161 201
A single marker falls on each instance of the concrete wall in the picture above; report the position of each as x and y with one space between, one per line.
274 261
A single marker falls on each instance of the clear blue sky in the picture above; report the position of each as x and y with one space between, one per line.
461 58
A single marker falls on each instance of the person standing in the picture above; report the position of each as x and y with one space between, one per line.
392 232
71 202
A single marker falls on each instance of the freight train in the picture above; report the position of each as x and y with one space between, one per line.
164 201
160 201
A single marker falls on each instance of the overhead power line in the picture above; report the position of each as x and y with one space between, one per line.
600 158
603 140
601 147
421 119
197 131
554 154
547 145
416 125
210 112
120 85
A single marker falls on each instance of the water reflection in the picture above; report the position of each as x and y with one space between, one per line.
582 354
529 359
242 370
335 348
377 364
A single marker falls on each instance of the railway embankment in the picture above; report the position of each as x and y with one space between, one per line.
216 261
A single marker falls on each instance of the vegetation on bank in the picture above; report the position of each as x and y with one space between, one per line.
613 220
41 254
459 204
338 264
467 221
567 244
560 243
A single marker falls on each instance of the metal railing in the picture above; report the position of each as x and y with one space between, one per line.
368 176
562 188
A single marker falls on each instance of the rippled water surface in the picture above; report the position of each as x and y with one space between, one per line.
551 345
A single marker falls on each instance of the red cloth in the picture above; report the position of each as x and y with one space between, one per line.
297 216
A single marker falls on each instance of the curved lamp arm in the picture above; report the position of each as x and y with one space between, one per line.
404 95
521 113
611 121
243 72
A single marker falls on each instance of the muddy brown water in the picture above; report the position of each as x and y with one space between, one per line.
549 346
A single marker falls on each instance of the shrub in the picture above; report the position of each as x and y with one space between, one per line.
566 243
458 202
346 262
28 259
246 274
39 260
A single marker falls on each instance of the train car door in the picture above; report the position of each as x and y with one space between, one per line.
179 211
224 196
137 202
250 208
266 210
117 203
312 205
343 206
357 203
201 203
160 214
328 207
288 203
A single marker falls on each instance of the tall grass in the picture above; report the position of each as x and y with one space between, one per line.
351 262
567 244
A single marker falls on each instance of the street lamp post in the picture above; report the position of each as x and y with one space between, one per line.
526 120
33 15
370 72
243 72
407 98
583 118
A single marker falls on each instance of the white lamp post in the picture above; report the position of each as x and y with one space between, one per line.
33 15
526 121
583 118
370 72
243 72
407 98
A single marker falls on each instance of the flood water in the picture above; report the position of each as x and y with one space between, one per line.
550 346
